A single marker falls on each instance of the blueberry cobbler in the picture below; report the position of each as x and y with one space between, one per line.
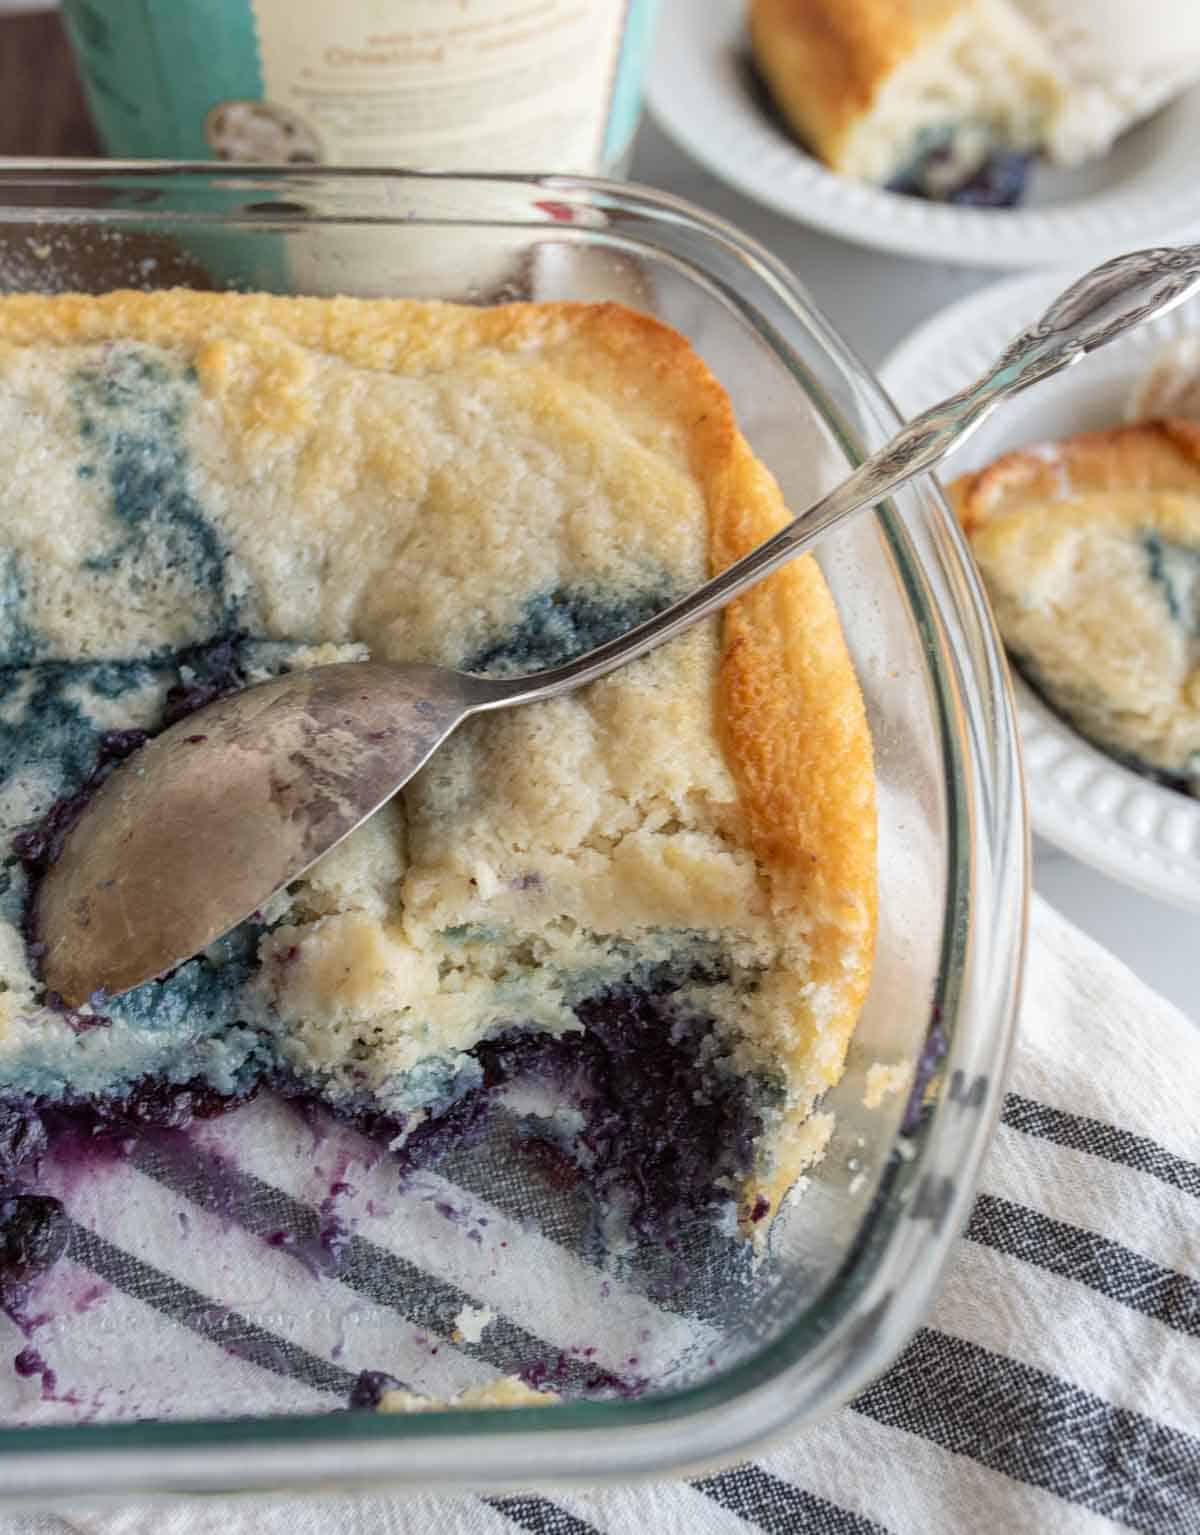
652 902
958 100
1090 550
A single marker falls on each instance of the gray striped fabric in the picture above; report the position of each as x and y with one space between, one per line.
1054 1388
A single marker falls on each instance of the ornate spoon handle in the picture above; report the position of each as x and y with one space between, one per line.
1093 311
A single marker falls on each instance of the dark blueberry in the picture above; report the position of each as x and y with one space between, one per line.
28 1362
171 1106
998 183
149 1104
461 1124
34 1232
22 1136
761 1205
367 1391
116 745
216 670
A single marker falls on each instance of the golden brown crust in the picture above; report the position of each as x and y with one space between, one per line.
825 61
1149 456
799 749
789 711
796 731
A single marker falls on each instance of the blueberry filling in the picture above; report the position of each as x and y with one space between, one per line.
667 1133
999 180
666 1128
132 407
566 622
661 1127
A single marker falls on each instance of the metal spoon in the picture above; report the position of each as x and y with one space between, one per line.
205 823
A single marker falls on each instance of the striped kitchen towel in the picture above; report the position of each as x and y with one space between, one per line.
1054 1388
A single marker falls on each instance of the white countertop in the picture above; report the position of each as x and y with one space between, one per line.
875 299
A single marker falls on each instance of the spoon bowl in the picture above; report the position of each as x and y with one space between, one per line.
258 784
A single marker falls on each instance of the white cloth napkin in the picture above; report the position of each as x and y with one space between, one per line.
1055 1387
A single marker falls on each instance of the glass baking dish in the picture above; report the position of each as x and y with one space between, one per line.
730 1357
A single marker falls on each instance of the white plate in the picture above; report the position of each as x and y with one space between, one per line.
1101 812
699 90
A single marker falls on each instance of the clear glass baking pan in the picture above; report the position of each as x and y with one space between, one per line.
197 1364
